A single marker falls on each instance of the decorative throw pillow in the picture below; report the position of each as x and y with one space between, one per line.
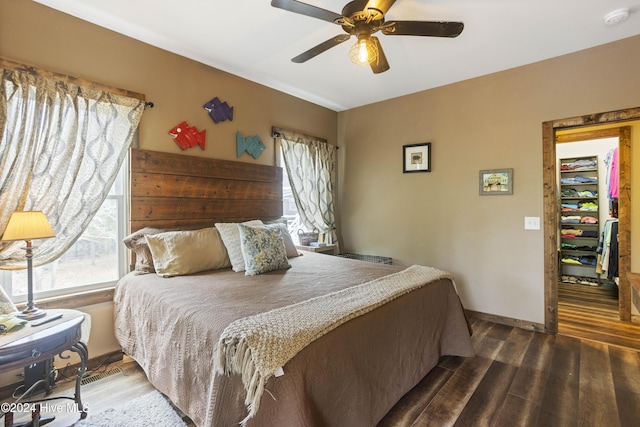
263 249
176 253
231 238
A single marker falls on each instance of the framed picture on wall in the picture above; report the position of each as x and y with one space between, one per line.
416 157
496 182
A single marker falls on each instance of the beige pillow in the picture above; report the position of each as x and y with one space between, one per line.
137 242
231 238
176 253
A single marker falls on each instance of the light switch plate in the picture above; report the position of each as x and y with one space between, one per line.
532 223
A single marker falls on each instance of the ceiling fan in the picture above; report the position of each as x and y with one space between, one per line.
363 18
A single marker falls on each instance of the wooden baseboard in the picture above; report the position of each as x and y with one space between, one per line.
7 391
522 324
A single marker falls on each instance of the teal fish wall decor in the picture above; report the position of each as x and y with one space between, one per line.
250 144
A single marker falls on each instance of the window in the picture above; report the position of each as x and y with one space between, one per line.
308 168
289 209
96 260
63 148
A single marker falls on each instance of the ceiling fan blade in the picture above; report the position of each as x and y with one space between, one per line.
381 5
307 10
422 28
380 65
317 50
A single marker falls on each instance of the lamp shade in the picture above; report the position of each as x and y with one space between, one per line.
28 225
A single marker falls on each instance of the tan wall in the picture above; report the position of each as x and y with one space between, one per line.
490 122
434 218
40 36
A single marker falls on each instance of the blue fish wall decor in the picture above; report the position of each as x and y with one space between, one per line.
250 144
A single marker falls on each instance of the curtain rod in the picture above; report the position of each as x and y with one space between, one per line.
17 66
276 132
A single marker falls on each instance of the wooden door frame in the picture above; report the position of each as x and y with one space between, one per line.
549 130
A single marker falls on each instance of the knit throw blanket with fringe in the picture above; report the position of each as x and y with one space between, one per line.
257 346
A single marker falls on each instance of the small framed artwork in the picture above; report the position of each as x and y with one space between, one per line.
416 157
496 182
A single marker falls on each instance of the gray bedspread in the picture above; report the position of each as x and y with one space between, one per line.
351 376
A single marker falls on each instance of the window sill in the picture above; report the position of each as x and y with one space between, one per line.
76 300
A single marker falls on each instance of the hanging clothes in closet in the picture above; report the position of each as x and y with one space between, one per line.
614 174
613 180
607 250
608 244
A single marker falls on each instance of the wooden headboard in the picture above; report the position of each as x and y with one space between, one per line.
172 190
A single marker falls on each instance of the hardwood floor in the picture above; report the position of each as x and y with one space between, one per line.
588 312
524 378
123 380
517 378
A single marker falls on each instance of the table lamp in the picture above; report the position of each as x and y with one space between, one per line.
28 225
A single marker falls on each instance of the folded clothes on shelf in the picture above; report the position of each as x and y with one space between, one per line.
579 179
579 165
572 192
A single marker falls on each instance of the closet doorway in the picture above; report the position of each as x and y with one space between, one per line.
587 165
604 125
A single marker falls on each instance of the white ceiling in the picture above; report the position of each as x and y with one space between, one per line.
254 40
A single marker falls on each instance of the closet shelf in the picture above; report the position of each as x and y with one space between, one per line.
565 211
574 198
578 171
578 265
578 252
578 238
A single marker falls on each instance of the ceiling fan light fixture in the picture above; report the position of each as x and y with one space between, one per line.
364 18
364 52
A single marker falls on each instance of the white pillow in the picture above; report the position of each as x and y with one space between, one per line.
231 238
176 253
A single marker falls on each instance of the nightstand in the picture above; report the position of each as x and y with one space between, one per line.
328 249
31 344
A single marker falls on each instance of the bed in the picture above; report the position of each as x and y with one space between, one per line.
352 373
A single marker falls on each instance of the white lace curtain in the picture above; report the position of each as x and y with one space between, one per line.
311 167
61 145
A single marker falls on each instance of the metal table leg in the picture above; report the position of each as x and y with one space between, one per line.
83 352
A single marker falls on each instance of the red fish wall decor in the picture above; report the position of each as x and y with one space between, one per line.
188 136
